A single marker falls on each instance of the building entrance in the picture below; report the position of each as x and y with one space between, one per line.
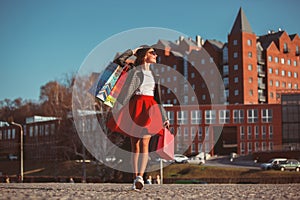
227 142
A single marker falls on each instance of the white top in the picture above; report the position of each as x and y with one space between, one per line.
147 87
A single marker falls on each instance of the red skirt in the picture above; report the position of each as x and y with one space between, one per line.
141 116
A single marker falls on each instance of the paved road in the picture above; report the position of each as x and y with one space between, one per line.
84 191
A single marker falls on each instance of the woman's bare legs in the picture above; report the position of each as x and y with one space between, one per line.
138 151
135 149
144 154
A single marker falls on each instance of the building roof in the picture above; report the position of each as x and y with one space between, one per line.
217 45
272 36
241 24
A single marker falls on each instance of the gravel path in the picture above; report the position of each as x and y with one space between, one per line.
167 191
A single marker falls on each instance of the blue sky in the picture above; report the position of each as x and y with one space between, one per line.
43 40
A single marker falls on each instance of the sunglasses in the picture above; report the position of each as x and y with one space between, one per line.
153 53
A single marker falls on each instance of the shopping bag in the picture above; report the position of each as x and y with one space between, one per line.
165 145
112 97
106 81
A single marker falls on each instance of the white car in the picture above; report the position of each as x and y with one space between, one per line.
196 160
271 163
179 158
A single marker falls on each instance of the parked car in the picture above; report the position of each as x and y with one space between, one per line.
290 164
179 158
270 164
196 160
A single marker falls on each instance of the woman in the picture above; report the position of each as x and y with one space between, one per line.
142 114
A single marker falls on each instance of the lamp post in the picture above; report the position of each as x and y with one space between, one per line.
21 147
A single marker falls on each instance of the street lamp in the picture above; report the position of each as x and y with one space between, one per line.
21 134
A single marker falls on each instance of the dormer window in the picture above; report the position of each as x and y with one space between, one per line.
285 48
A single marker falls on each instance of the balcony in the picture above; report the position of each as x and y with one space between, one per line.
261 86
262 98
261 73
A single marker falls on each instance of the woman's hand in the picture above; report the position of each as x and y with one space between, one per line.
167 124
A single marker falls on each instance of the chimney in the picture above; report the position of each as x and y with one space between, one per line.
199 40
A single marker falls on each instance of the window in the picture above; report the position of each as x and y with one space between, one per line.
36 130
270 70
271 82
250 80
13 133
235 42
52 129
289 74
256 132
238 116
174 67
242 146
182 117
207 130
170 116
186 134
251 92
225 55
264 146
283 73
289 61
263 132
242 133
282 61
249 131
295 75
252 115
271 132
196 117
295 63
9 134
249 42
192 75
30 131
210 116
249 147
256 146
266 115
250 54
276 59
283 84
250 67
276 71
236 92
236 79
224 116
270 58
277 84
235 67
179 134
235 54
285 47
225 70
226 82
200 133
